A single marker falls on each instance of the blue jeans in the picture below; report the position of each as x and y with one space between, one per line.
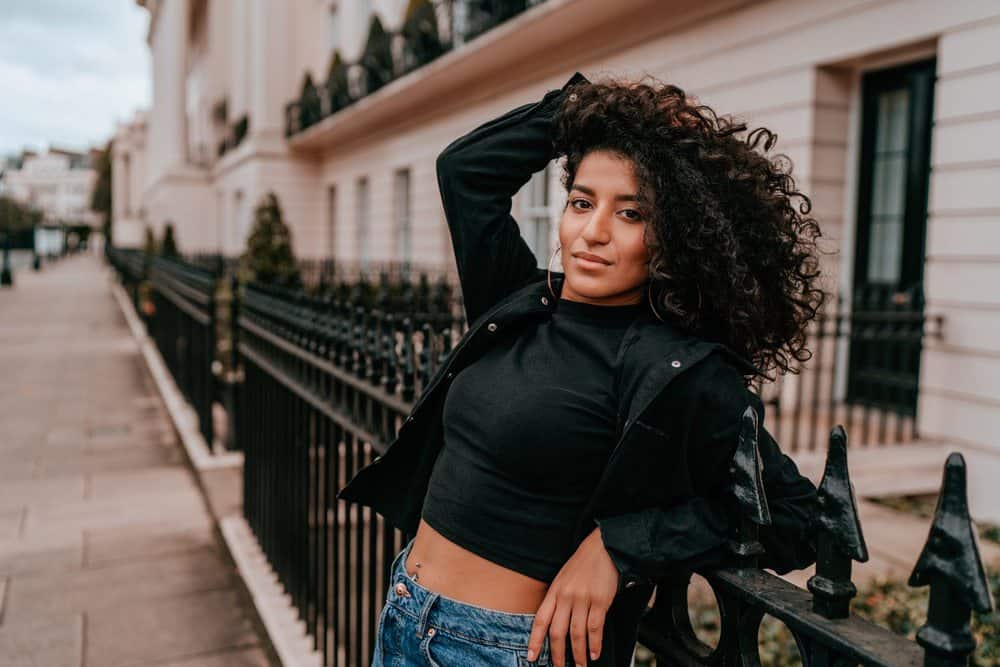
420 627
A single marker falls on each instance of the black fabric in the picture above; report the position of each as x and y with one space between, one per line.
528 430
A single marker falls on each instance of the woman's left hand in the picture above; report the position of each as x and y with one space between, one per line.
576 603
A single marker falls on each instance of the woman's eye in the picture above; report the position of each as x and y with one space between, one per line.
637 216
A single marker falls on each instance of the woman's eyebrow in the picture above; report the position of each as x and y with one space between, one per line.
588 191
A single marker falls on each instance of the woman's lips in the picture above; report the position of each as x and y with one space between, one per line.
589 263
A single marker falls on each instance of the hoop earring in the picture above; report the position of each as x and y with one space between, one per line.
548 271
649 294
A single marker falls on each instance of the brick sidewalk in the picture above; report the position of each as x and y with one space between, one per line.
107 553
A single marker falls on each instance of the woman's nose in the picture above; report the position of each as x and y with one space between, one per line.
598 229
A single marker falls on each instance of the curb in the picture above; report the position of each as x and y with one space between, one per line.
285 632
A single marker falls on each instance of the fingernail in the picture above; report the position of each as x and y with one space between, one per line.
593 655
531 655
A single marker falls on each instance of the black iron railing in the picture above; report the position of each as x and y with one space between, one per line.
863 374
326 383
183 328
431 29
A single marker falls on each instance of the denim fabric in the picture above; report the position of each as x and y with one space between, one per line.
418 627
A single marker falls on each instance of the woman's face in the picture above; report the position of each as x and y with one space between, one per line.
602 218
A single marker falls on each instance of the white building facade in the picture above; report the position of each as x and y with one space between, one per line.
59 183
890 111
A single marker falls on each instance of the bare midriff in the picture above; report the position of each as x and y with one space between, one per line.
455 572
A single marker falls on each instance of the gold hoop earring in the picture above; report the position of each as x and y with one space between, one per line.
649 294
548 272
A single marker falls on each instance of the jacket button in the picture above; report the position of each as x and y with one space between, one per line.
545 300
675 363
630 583
492 326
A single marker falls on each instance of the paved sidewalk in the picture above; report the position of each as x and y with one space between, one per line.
108 555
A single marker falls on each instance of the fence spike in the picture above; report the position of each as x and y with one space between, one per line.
840 539
747 470
748 489
950 563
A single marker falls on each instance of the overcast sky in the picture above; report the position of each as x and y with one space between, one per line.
69 69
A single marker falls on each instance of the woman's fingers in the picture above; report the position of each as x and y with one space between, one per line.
578 631
540 627
558 630
595 629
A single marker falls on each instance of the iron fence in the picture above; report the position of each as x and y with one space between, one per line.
326 387
326 381
326 384
863 373
183 327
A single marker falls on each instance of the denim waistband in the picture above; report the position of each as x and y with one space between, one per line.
430 609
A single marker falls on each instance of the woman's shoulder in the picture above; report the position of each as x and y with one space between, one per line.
654 341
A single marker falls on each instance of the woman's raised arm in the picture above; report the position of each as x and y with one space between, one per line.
478 175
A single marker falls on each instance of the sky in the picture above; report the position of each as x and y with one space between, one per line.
69 70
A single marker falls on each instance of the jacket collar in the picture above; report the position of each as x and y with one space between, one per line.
647 338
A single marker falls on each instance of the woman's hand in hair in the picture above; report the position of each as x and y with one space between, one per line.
576 603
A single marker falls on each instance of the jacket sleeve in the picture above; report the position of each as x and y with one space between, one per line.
691 531
478 175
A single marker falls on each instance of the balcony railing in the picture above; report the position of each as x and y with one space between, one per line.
432 28
236 134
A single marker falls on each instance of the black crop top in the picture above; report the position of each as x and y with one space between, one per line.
503 485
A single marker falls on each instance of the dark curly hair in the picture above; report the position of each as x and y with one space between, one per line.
732 260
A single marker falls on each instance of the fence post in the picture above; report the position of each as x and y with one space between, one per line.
951 564
839 538
233 377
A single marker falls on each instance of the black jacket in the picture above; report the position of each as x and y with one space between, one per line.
663 501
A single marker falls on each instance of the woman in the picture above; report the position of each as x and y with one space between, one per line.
576 444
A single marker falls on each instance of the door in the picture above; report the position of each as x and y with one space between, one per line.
888 302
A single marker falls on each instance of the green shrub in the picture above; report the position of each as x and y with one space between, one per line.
268 257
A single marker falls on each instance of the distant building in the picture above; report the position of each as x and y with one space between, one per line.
58 183
128 176
889 110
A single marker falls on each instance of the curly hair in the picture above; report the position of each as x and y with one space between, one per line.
732 260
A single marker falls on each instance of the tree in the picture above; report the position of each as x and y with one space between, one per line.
100 196
149 246
168 248
268 257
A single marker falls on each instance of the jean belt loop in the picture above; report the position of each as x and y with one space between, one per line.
425 612
400 560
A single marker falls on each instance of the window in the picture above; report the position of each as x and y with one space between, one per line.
362 221
536 217
331 221
402 208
